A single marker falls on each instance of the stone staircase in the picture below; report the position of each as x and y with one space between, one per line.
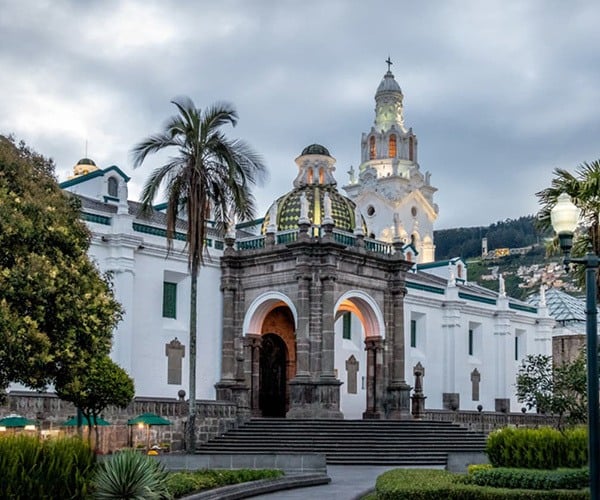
351 442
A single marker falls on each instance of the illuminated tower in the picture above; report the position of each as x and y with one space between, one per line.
395 198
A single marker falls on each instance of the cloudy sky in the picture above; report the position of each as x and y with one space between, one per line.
499 92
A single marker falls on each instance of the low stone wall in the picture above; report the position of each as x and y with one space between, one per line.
290 463
213 418
488 421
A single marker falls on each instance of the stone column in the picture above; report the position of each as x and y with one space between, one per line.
303 278
328 321
228 342
502 357
252 344
374 348
451 325
398 391
123 341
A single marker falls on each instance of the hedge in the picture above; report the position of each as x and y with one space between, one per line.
543 448
504 477
184 483
425 484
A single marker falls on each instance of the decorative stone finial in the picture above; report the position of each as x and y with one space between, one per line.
272 227
328 219
303 210
501 286
452 278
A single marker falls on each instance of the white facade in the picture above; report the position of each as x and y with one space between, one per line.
451 327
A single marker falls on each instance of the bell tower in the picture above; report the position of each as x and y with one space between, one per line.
393 195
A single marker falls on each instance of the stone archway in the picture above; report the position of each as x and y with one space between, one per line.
280 322
359 355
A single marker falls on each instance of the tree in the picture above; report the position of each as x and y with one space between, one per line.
559 391
56 311
583 188
100 384
209 176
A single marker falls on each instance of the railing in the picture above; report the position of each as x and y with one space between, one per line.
252 243
285 237
290 236
378 246
347 239
488 421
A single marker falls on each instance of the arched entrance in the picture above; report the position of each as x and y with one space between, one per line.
273 379
359 333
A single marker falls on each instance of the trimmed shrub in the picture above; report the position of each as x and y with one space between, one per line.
473 468
567 479
423 484
131 475
183 483
543 448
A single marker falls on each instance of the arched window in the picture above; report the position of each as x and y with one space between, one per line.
113 187
411 148
321 176
310 176
372 151
409 256
392 146
459 270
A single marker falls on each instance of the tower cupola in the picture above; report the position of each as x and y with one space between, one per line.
388 104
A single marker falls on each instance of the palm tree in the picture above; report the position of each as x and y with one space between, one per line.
584 189
209 176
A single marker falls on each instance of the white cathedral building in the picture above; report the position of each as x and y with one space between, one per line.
323 308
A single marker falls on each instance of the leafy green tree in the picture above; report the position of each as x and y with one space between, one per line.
559 391
56 311
209 176
100 384
583 188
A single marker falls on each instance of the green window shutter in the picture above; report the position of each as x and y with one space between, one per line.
470 342
347 325
413 333
169 300
516 348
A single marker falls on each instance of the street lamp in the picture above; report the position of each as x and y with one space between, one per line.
564 217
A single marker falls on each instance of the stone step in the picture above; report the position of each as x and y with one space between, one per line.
355 442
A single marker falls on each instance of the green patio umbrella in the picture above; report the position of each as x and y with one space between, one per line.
72 422
149 419
16 421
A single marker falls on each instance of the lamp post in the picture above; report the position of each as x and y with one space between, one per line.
564 217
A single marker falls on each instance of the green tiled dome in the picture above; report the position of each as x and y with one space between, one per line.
288 208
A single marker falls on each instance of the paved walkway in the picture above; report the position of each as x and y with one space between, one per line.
348 482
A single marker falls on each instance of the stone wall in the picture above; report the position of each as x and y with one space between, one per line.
488 421
214 418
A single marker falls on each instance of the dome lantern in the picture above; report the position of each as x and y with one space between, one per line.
315 179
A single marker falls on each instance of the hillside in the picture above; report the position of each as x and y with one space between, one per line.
524 270
466 241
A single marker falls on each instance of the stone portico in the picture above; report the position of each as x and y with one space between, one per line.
283 292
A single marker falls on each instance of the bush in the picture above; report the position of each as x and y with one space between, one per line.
423 484
183 483
131 475
57 468
567 479
543 448
473 468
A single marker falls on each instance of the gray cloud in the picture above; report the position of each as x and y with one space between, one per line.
498 92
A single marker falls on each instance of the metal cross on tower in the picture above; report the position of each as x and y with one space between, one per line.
389 63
